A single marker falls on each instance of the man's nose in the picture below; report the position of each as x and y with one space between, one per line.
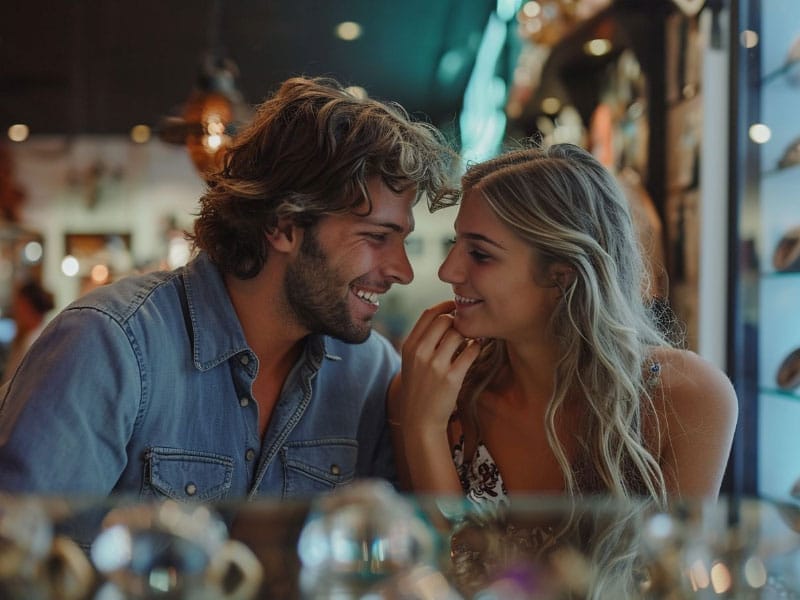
398 266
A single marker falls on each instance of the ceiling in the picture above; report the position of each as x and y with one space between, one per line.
103 66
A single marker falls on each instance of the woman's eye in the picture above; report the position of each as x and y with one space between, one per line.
479 256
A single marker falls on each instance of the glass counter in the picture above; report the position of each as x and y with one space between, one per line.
366 541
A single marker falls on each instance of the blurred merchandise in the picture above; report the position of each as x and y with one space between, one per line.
361 537
35 562
366 542
171 550
786 257
788 376
791 155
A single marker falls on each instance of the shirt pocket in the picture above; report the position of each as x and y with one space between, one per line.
186 475
318 465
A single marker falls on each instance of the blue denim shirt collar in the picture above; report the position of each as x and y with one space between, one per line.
217 332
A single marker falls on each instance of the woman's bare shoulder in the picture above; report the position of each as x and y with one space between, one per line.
695 391
699 411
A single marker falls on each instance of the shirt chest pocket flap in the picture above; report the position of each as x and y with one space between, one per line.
188 475
331 462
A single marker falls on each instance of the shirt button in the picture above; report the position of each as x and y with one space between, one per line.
335 470
244 359
244 401
191 489
250 454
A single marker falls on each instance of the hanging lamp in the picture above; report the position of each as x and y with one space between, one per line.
215 109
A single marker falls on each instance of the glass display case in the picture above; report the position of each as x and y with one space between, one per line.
367 541
766 197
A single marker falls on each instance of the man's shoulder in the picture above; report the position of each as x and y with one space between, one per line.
124 297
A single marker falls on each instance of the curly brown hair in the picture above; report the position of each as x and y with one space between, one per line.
308 153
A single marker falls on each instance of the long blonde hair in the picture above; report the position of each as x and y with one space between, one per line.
568 207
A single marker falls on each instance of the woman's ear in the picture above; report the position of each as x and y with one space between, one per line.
285 236
562 275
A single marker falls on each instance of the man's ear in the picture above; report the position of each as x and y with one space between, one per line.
285 236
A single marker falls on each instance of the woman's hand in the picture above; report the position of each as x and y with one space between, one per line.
435 361
423 397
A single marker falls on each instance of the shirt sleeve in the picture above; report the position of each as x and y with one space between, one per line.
68 413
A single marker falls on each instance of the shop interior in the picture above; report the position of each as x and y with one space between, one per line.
106 179
104 111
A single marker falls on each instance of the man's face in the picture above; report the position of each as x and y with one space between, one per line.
347 261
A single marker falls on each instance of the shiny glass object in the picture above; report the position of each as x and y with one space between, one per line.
367 542
171 550
35 562
358 536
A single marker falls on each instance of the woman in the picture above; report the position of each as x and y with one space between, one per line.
547 373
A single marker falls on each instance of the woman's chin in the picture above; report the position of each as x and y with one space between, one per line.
465 329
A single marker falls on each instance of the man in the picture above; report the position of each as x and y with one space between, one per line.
252 370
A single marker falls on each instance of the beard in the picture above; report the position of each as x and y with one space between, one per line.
314 293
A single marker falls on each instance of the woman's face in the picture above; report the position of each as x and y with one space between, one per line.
492 274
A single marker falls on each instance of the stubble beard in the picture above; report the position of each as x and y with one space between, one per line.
313 293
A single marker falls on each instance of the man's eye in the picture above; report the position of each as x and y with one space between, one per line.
377 237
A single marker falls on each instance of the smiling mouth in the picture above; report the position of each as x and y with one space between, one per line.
367 296
464 301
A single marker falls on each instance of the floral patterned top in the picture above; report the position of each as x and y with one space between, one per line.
480 478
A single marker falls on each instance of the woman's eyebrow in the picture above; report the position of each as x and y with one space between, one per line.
478 237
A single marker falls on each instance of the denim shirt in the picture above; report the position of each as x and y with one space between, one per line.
144 387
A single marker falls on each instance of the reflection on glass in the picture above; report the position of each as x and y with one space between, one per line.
172 550
34 561
359 537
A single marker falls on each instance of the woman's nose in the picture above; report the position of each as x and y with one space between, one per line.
450 270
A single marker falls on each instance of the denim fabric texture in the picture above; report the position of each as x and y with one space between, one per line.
143 388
